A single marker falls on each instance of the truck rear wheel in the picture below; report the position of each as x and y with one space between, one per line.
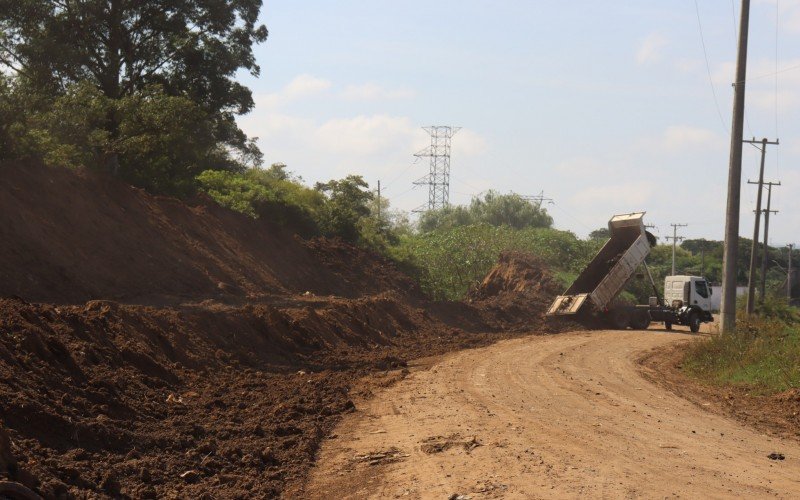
620 318
694 322
640 320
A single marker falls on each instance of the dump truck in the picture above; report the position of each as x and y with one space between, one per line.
686 301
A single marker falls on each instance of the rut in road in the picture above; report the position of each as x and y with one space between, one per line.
548 416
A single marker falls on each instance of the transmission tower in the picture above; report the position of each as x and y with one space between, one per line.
438 180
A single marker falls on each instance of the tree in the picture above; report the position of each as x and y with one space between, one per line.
347 203
600 234
494 209
190 48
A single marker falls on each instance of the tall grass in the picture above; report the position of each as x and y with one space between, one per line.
763 354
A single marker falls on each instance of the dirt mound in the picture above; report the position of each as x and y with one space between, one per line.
516 293
222 351
139 401
71 236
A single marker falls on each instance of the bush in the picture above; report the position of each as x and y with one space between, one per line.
266 194
450 261
762 354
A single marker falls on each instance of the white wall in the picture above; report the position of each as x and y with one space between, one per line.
716 297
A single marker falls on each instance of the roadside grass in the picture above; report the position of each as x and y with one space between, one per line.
763 354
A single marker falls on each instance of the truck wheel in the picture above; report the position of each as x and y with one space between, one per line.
620 319
694 322
640 320
668 325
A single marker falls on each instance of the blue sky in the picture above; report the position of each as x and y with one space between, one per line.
606 107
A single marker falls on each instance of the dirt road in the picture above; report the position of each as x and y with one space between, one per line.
542 417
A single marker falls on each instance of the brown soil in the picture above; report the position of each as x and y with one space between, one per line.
559 416
775 415
516 293
151 348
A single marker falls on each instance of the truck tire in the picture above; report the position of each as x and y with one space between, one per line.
640 320
694 322
620 319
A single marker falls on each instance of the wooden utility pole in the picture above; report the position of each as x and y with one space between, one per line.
789 276
703 261
675 238
763 287
379 201
728 303
751 279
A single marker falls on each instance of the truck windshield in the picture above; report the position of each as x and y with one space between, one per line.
702 289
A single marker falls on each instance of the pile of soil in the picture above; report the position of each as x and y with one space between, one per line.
72 236
516 293
151 348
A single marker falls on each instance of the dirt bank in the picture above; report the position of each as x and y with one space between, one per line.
153 348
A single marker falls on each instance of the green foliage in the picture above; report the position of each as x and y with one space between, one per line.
494 209
192 48
600 234
763 354
347 202
145 90
270 194
161 142
454 259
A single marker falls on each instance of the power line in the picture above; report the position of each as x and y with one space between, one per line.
708 67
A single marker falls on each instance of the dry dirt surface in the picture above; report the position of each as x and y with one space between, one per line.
567 415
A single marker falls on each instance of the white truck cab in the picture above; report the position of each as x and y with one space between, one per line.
687 295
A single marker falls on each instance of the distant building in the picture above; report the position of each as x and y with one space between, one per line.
716 295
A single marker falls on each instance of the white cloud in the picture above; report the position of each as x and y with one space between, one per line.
469 143
300 87
625 196
650 48
584 166
374 92
677 138
365 135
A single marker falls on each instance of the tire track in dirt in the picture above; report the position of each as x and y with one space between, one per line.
555 416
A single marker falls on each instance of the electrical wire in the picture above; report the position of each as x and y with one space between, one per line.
401 174
708 69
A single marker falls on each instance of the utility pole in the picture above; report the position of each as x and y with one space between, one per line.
675 238
751 280
703 261
438 179
789 276
766 236
728 303
379 201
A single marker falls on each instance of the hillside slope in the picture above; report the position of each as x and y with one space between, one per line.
70 236
151 348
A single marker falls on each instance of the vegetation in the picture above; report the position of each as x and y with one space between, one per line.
453 260
763 354
494 209
144 90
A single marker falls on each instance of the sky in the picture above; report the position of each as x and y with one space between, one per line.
604 107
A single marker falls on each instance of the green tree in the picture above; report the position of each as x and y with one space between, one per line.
494 209
347 203
190 48
600 234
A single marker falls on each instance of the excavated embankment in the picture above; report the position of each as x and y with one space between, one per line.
154 348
